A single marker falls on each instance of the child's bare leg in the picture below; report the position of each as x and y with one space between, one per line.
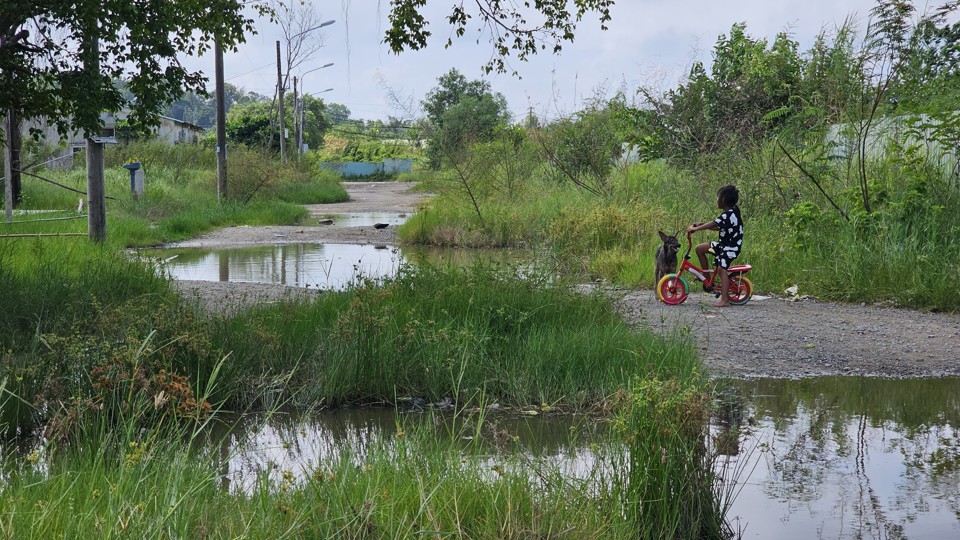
702 255
724 288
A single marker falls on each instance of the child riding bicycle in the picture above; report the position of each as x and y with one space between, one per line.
730 227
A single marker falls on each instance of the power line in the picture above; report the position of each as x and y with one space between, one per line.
251 71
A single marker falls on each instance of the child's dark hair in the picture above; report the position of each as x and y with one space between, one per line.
729 196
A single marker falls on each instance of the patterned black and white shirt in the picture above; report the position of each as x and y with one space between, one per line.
730 226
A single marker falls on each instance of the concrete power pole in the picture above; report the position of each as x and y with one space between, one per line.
7 169
280 95
221 125
96 191
96 194
296 125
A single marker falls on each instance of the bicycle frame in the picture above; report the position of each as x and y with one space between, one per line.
699 273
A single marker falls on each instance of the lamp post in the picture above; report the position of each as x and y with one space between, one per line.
298 113
281 84
302 115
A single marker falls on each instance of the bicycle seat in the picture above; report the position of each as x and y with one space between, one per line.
739 269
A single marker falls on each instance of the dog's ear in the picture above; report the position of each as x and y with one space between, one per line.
663 237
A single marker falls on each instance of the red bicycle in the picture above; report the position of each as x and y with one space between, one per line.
673 289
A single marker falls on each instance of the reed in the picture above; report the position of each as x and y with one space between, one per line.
438 333
416 482
671 489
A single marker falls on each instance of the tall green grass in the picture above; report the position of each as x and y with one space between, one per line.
121 377
432 332
651 479
451 332
899 253
180 194
163 483
664 426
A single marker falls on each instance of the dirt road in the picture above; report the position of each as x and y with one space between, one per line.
388 198
772 337
780 337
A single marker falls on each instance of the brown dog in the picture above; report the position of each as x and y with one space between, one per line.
665 261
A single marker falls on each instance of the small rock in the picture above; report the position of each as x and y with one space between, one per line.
326 222
380 225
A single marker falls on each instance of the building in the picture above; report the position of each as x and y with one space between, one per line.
170 130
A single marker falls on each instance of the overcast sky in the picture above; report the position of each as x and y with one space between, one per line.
649 43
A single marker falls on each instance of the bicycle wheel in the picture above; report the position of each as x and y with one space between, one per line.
741 290
672 289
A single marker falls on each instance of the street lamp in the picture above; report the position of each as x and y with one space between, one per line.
321 25
300 140
298 134
281 83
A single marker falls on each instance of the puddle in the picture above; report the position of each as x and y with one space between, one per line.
848 458
828 458
323 266
304 443
361 219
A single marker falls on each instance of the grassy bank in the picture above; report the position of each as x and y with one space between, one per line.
453 333
413 484
794 236
121 377
180 194
431 332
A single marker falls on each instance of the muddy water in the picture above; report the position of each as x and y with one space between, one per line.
847 458
816 458
322 266
310 265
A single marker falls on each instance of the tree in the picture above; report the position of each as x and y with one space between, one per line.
250 123
200 108
59 58
459 113
315 121
747 80
524 31
583 149
337 113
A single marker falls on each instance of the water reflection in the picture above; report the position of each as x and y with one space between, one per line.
324 266
361 219
303 444
819 458
850 458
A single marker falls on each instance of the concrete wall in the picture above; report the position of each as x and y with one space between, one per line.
884 131
360 170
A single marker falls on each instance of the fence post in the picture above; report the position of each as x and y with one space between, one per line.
96 195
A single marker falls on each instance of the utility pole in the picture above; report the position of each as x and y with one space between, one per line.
221 124
96 192
15 146
296 126
7 169
280 95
